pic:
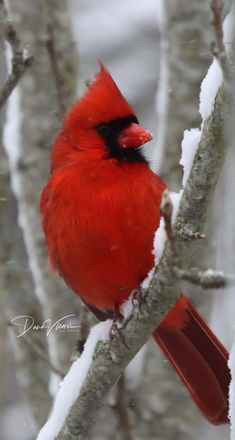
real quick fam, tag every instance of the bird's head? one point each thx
(102, 120)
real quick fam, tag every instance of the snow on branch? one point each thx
(110, 359)
(73, 381)
(74, 417)
(21, 60)
(218, 70)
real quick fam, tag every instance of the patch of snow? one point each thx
(209, 88)
(213, 80)
(160, 236)
(126, 307)
(229, 28)
(72, 383)
(189, 147)
(146, 282)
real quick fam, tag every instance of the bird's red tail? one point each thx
(198, 357)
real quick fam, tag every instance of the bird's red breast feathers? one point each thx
(99, 213)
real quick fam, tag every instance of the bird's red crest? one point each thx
(102, 102)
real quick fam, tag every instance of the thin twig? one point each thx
(217, 46)
(21, 60)
(36, 349)
(206, 279)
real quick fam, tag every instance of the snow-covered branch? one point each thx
(21, 60)
(73, 418)
(109, 360)
(208, 279)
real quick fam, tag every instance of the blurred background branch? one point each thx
(20, 58)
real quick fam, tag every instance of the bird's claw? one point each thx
(115, 332)
(138, 299)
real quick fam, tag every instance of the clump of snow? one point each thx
(212, 272)
(209, 88)
(175, 198)
(189, 147)
(231, 364)
(11, 132)
(159, 240)
(146, 282)
(73, 381)
(160, 236)
(127, 306)
(213, 80)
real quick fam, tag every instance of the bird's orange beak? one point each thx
(134, 136)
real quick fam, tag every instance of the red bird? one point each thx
(100, 210)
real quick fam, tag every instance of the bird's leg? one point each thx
(115, 330)
(118, 316)
(138, 297)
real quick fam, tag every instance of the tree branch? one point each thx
(21, 60)
(207, 279)
(164, 288)
(217, 46)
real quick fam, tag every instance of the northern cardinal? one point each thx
(100, 210)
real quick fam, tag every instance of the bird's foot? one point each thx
(138, 299)
(115, 330)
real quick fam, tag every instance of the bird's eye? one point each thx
(104, 129)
